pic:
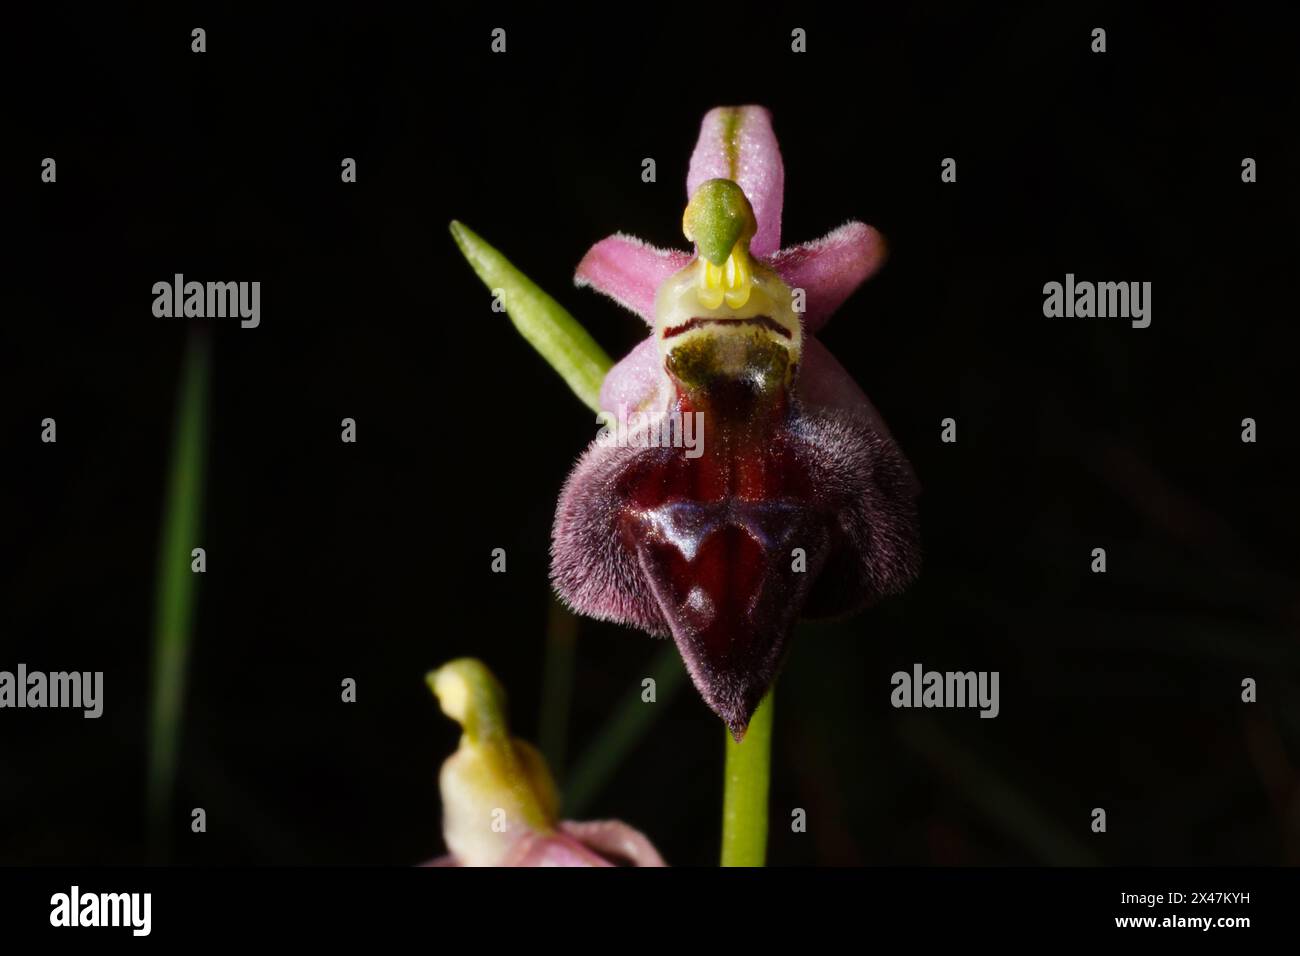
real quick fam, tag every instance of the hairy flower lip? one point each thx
(765, 321)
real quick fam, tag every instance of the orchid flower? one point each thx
(795, 456)
(499, 802)
(799, 501)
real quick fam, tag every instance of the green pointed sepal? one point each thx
(545, 324)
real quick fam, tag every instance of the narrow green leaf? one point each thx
(175, 585)
(557, 686)
(625, 727)
(545, 324)
(995, 792)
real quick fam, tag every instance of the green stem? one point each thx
(744, 797)
(176, 585)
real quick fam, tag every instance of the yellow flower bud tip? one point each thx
(469, 694)
(490, 773)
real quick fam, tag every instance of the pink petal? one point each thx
(829, 269)
(615, 840)
(629, 271)
(556, 849)
(825, 383)
(595, 843)
(635, 381)
(737, 143)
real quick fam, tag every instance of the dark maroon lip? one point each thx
(765, 321)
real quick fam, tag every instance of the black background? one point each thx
(371, 560)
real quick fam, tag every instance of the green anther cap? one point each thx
(717, 217)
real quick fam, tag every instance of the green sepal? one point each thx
(545, 324)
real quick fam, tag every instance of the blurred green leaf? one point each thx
(557, 685)
(625, 728)
(176, 585)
